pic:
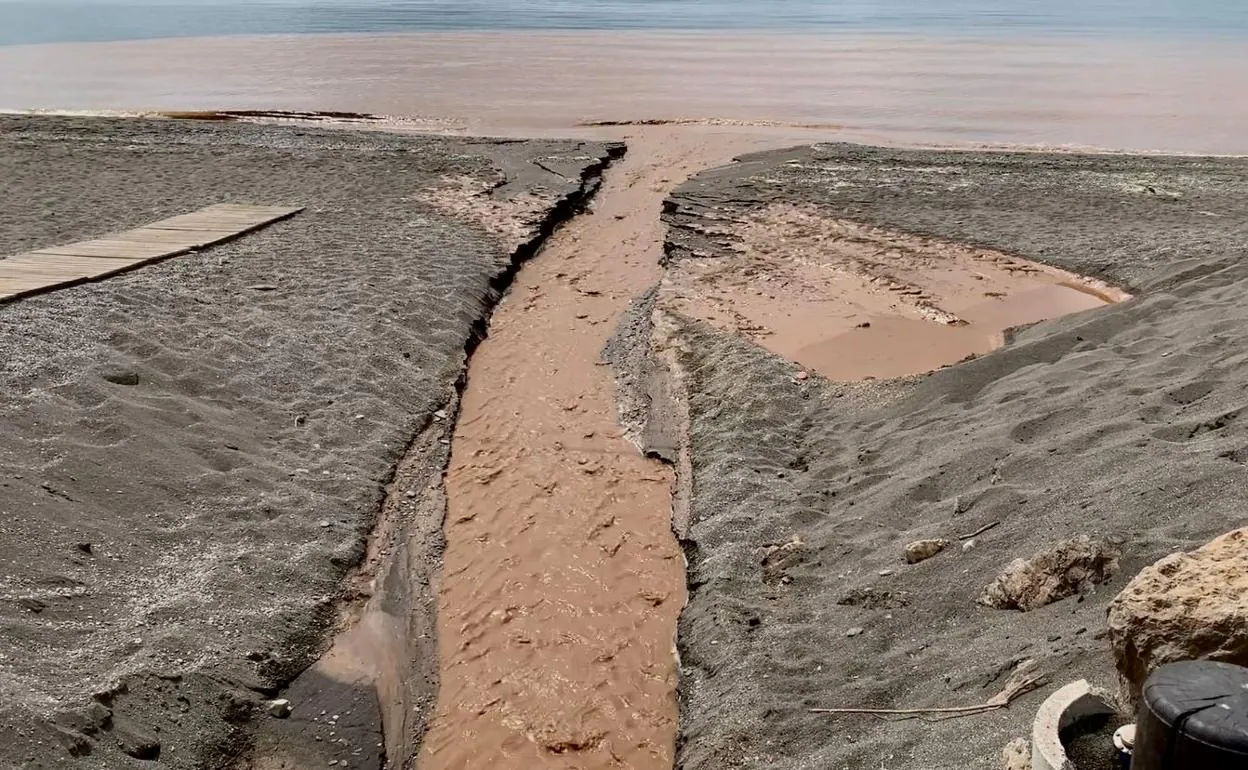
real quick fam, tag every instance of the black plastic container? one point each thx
(1193, 716)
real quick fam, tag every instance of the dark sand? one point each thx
(1120, 423)
(193, 455)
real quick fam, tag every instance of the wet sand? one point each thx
(194, 455)
(852, 302)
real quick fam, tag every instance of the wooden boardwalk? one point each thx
(58, 266)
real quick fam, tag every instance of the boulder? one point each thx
(1185, 606)
(1071, 567)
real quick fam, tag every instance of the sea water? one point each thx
(49, 21)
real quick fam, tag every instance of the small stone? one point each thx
(968, 545)
(262, 287)
(279, 708)
(921, 550)
(800, 376)
(885, 572)
(359, 417)
(324, 524)
(136, 742)
(120, 377)
(440, 414)
(863, 325)
(409, 494)
(1016, 755)
(32, 605)
(855, 631)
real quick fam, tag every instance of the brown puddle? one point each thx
(852, 301)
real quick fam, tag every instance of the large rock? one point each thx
(1183, 607)
(1068, 568)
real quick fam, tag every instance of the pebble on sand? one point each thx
(279, 707)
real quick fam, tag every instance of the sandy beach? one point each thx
(600, 451)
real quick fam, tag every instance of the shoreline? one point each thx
(433, 126)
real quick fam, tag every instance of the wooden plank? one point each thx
(111, 249)
(23, 285)
(45, 269)
(56, 263)
(156, 235)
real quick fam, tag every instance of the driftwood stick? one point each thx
(1021, 683)
(979, 531)
(910, 712)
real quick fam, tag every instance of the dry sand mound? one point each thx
(1121, 424)
(192, 454)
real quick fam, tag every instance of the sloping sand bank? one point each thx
(192, 455)
(1121, 423)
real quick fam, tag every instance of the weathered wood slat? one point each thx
(46, 269)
